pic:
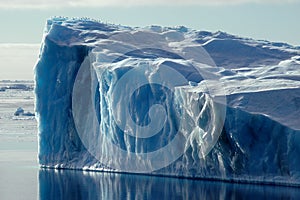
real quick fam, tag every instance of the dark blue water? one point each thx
(69, 184)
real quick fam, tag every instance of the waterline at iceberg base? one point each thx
(168, 101)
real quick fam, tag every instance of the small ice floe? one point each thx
(20, 112)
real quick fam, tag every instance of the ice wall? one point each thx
(152, 100)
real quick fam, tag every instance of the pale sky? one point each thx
(117, 3)
(22, 21)
(17, 61)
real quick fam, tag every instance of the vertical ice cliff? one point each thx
(167, 101)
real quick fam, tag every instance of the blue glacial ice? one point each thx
(167, 101)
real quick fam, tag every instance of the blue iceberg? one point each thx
(167, 101)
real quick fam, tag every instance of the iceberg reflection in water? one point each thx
(71, 184)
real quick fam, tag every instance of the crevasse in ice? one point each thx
(167, 101)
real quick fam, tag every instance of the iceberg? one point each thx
(167, 101)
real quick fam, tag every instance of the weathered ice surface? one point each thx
(168, 101)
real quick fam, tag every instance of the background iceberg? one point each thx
(167, 101)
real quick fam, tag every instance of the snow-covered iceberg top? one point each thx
(167, 101)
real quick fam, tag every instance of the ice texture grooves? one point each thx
(168, 101)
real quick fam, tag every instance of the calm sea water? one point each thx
(24, 180)
(79, 185)
(21, 178)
